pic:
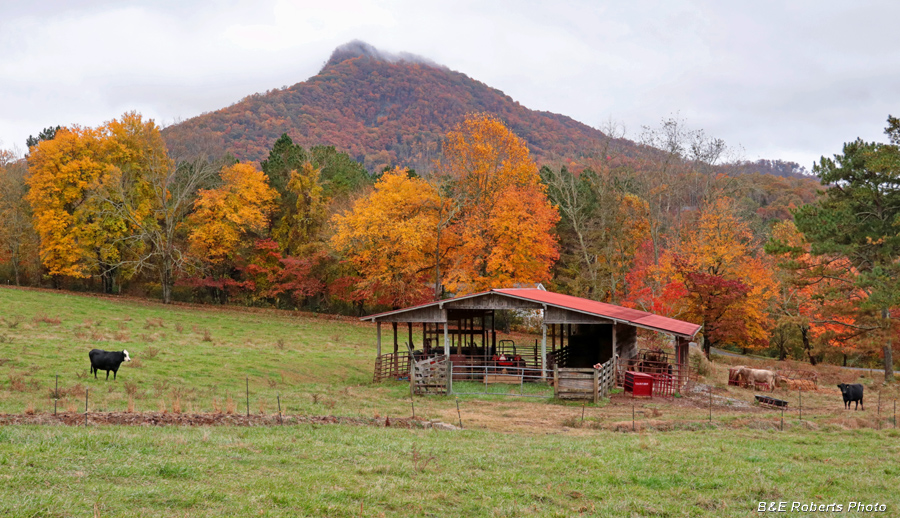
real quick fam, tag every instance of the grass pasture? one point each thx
(366, 471)
(515, 457)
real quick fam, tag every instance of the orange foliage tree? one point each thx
(726, 286)
(818, 295)
(505, 221)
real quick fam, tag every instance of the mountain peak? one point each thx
(358, 49)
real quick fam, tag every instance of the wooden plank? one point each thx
(576, 376)
(502, 378)
(573, 384)
(555, 315)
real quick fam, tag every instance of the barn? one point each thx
(576, 333)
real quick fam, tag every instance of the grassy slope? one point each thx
(317, 356)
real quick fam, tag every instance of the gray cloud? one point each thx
(782, 80)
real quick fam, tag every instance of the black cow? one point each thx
(107, 361)
(852, 393)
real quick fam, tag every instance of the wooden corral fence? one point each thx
(799, 379)
(431, 376)
(391, 366)
(584, 383)
(558, 357)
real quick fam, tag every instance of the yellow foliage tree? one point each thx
(390, 238)
(91, 191)
(65, 174)
(225, 217)
(297, 231)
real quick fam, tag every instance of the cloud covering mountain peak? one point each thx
(358, 48)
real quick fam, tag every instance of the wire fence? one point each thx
(780, 410)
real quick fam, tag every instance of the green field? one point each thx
(516, 456)
(367, 471)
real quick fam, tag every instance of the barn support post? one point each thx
(446, 341)
(682, 352)
(543, 351)
(615, 346)
(493, 332)
(596, 389)
(378, 332)
(411, 346)
(553, 337)
(394, 367)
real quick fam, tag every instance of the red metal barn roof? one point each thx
(600, 309)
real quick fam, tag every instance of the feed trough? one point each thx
(771, 402)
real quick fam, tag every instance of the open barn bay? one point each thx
(515, 457)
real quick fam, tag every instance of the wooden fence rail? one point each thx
(391, 366)
(430, 376)
(584, 383)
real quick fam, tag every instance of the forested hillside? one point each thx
(382, 111)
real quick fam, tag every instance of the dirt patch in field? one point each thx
(171, 419)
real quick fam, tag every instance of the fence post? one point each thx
(555, 381)
(248, 396)
(800, 395)
(412, 376)
(280, 420)
(56, 394)
(596, 386)
(879, 410)
(450, 377)
(86, 391)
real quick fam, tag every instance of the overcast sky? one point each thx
(790, 80)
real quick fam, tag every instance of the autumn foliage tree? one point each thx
(817, 294)
(602, 227)
(390, 239)
(18, 240)
(724, 285)
(858, 220)
(505, 221)
(67, 176)
(228, 218)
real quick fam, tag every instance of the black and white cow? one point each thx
(107, 361)
(852, 393)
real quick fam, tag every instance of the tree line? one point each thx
(762, 262)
